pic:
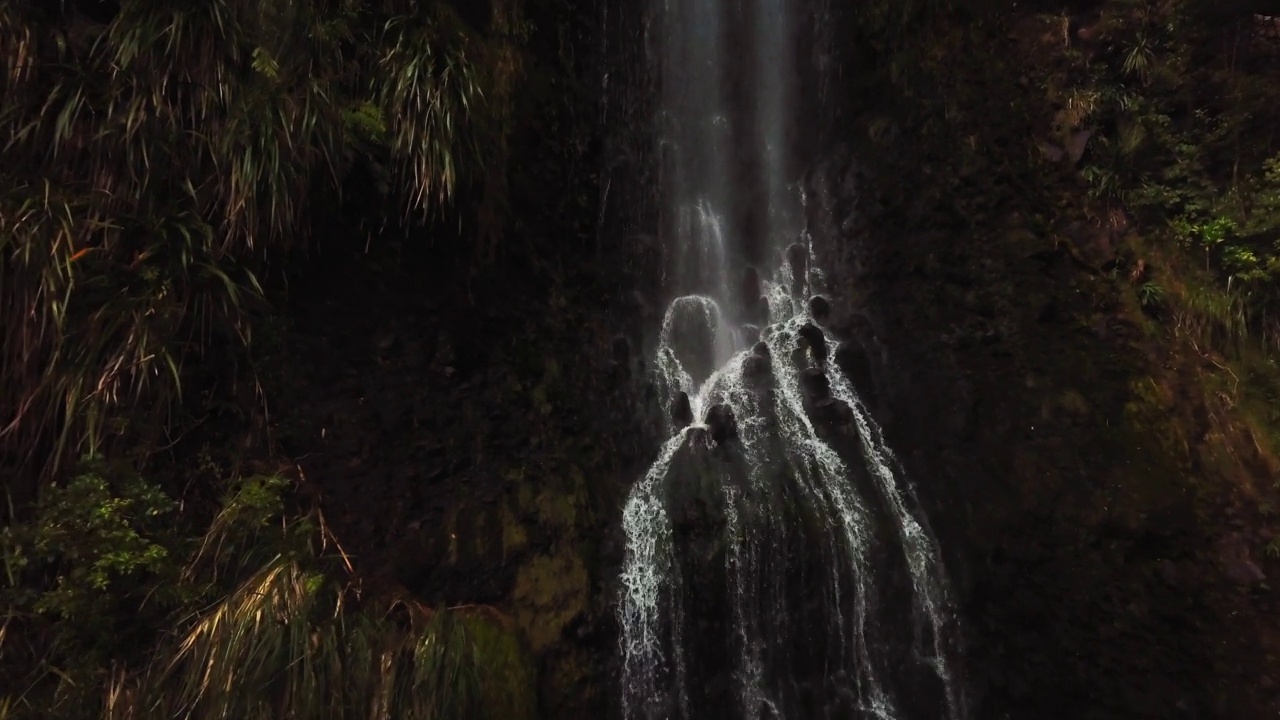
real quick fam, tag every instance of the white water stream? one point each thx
(766, 573)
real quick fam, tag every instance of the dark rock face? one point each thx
(620, 348)
(832, 412)
(798, 257)
(696, 341)
(757, 367)
(722, 424)
(812, 339)
(1082, 561)
(819, 307)
(814, 385)
(853, 361)
(681, 411)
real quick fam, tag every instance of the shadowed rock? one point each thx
(814, 386)
(798, 257)
(756, 370)
(852, 359)
(620, 347)
(819, 307)
(811, 337)
(722, 424)
(681, 411)
(832, 412)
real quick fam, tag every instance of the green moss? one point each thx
(505, 669)
(1152, 426)
(551, 591)
(561, 507)
(515, 537)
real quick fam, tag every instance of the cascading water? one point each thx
(777, 565)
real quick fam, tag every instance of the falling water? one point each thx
(777, 564)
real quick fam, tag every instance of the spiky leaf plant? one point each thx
(152, 165)
(290, 643)
(272, 622)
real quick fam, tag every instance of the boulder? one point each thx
(814, 386)
(722, 424)
(756, 370)
(798, 258)
(819, 307)
(832, 412)
(811, 337)
(852, 360)
(681, 411)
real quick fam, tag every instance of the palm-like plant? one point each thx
(153, 164)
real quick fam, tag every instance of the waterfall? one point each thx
(777, 562)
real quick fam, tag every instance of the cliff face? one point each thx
(1101, 502)
(470, 423)
(1104, 504)
(471, 449)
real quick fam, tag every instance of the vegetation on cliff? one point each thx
(1071, 207)
(165, 164)
(159, 160)
(267, 618)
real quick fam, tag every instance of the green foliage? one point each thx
(263, 621)
(1183, 137)
(91, 572)
(1151, 295)
(294, 642)
(152, 166)
(99, 541)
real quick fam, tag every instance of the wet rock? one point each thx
(811, 337)
(681, 411)
(798, 258)
(819, 307)
(832, 412)
(751, 332)
(722, 424)
(799, 358)
(852, 359)
(762, 310)
(699, 438)
(756, 370)
(692, 338)
(814, 385)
